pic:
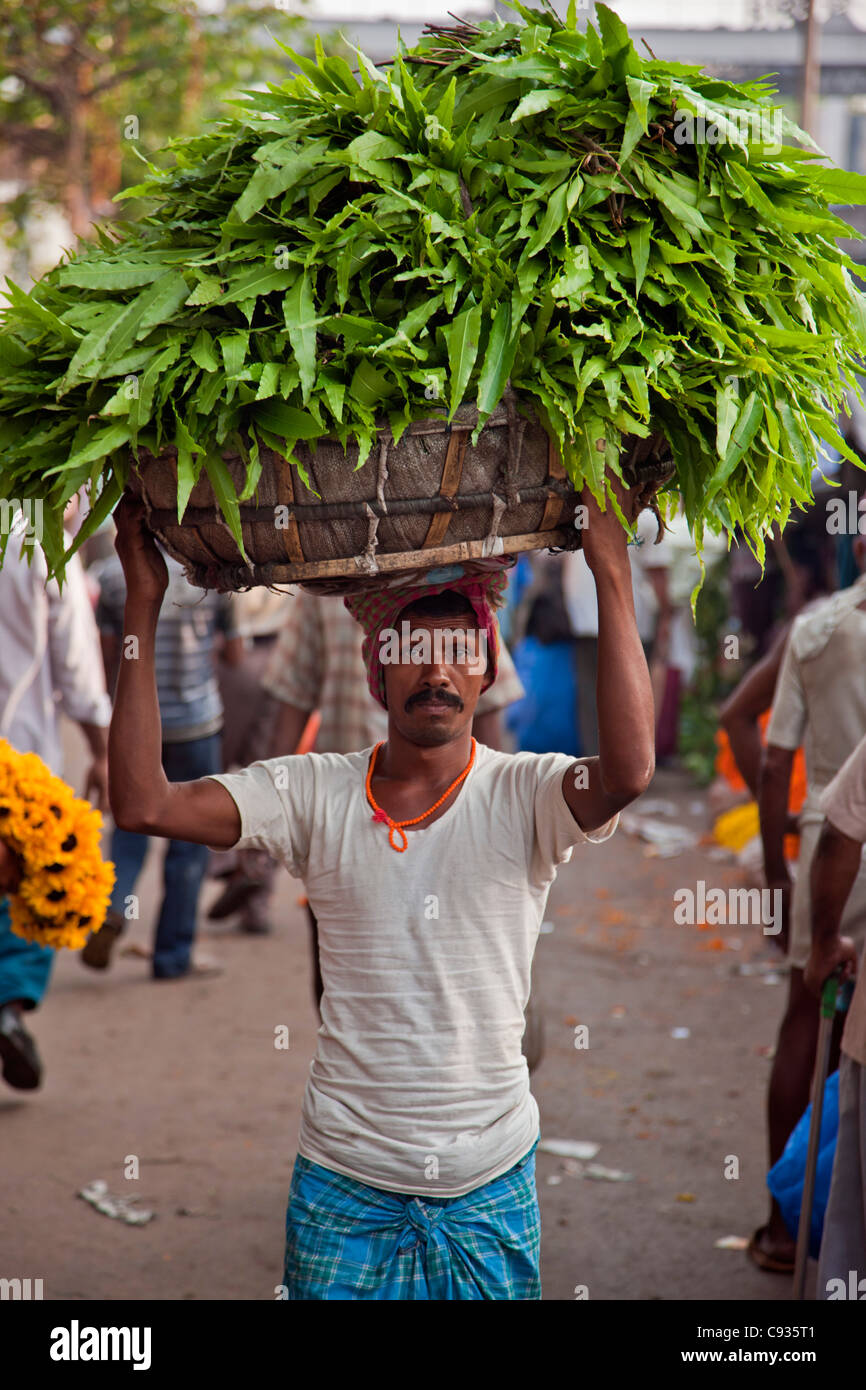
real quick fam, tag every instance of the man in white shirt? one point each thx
(835, 870)
(819, 702)
(50, 661)
(415, 1171)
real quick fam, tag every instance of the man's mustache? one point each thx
(440, 697)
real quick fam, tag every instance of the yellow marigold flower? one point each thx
(65, 885)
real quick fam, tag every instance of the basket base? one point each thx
(357, 573)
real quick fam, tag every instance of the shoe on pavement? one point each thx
(22, 1067)
(234, 896)
(100, 944)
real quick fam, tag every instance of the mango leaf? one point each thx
(551, 222)
(108, 275)
(639, 242)
(269, 381)
(99, 446)
(202, 352)
(187, 472)
(727, 411)
(744, 431)
(497, 364)
(207, 291)
(258, 281)
(226, 495)
(462, 337)
(534, 102)
(234, 348)
(300, 318)
(640, 92)
(284, 421)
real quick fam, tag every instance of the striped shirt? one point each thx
(189, 699)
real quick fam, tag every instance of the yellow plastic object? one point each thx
(735, 828)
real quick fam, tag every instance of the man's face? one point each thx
(433, 688)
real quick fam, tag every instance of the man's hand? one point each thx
(596, 788)
(825, 959)
(603, 539)
(96, 785)
(144, 568)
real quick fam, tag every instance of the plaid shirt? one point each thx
(317, 664)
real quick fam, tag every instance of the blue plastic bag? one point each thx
(786, 1177)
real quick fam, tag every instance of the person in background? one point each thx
(50, 663)
(545, 719)
(835, 869)
(741, 713)
(819, 702)
(318, 664)
(191, 622)
(250, 715)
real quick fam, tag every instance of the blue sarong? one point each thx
(345, 1240)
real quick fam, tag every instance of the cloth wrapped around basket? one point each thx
(483, 583)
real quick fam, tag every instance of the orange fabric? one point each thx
(726, 767)
(307, 741)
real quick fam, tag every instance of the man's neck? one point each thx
(403, 761)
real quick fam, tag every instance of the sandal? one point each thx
(771, 1264)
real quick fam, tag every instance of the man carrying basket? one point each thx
(428, 861)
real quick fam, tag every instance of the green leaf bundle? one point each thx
(631, 243)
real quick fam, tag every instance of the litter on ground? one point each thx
(119, 1208)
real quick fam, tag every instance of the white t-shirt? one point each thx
(820, 695)
(418, 1083)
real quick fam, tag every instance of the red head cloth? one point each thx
(382, 608)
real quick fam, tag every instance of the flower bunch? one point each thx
(65, 883)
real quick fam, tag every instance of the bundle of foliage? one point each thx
(629, 242)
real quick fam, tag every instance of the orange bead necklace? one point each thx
(380, 815)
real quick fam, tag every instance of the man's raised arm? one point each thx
(141, 796)
(626, 715)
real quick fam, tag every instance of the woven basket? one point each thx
(430, 499)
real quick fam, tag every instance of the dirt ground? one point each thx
(185, 1077)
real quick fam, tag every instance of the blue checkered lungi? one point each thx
(345, 1240)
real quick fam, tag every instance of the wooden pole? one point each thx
(811, 78)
